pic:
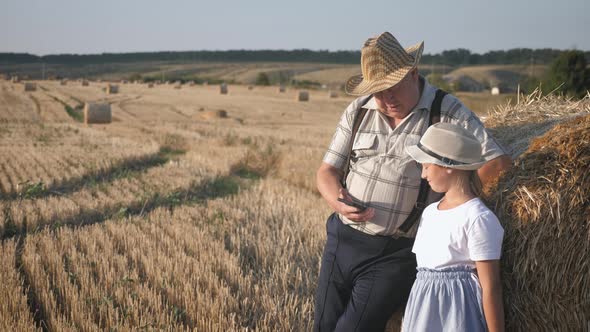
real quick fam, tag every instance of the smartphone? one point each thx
(357, 205)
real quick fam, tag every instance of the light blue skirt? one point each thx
(445, 300)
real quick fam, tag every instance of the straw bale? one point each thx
(544, 205)
(208, 115)
(97, 113)
(303, 96)
(223, 88)
(535, 114)
(112, 89)
(177, 85)
(30, 86)
(495, 91)
(15, 79)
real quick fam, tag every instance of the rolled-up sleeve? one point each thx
(339, 147)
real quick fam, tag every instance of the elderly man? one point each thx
(374, 187)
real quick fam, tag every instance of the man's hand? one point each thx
(353, 213)
(328, 181)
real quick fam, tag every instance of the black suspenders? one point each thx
(424, 187)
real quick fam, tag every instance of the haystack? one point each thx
(30, 86)
(303, 96)
(208, 115)
(223, 88)
(97, 113)
(112, 89)
(544, 206)
(516, 125)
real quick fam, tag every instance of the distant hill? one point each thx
(473, 72)
(506, 77)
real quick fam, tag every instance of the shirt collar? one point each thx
(425, 101)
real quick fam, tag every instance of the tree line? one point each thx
(455, 57)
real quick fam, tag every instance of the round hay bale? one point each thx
(544, 206)
(223, 88)
(112, 89)
(209, 115)
(30, 86)
(303, 96)
(97, 113)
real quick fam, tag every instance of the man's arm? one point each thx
(328, 182)
(492, 169)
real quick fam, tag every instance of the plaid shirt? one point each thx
(382, 175)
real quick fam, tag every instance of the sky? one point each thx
(117, 26)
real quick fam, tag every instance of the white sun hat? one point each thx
(448, 145)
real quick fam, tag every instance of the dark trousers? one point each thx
(363, 279)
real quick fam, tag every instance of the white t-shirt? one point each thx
(458, 237)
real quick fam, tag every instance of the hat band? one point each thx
(448, 161)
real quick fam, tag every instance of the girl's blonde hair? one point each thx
(474, 182)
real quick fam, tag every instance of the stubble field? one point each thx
(172, 217)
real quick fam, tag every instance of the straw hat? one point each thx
(448, 145)
(384, 62)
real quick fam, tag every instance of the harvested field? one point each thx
(192, 210)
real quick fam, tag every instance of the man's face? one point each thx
(400, 99)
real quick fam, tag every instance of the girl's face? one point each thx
(437, 176)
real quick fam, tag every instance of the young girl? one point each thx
(458, 243)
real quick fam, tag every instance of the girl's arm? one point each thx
(491, 286)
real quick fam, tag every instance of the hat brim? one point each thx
(424, 158)
(358, 86)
